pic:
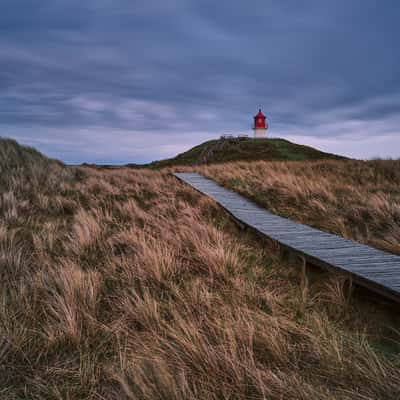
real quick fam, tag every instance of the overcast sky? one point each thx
(116, 81)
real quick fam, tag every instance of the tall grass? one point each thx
(125, 284)
(359, 200)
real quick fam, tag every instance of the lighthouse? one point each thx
(260, 125)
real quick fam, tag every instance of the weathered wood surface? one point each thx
(377, 270)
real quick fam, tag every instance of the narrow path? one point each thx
(375, 269)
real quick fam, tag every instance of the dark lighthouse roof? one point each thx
(260, 114)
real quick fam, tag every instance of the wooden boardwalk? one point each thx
(375, 269)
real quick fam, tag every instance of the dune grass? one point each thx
(358, 200)
(126, 284)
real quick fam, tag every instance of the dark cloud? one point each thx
(120, 81)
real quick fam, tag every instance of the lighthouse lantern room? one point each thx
(260, 125)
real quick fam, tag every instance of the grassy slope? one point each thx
(126, 284)
(251, 150)
(359, 200)
(16, 160)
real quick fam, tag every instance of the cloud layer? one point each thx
(120, 81)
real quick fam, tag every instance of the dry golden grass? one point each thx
(126, 284)
(359, 200)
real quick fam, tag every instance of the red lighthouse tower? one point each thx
(260, 125)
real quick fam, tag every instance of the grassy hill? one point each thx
(226, 150)
(23, 169)
(126, 284)
(15, 157)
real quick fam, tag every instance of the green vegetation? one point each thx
(225, 150)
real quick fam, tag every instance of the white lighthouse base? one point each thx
(260, 133)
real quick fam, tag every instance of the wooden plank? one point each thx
(355, 262)
(346, 252)
(314, 248)
(362, 255)
(375, 269)
(373, 272)
(377, 263)
(310, 242)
